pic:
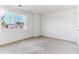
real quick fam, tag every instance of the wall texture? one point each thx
(36, 25)
(60, 24)
(77, 27)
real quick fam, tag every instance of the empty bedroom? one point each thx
(39, 29)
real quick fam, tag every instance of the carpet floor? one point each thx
(40, 45)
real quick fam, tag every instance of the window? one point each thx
(10, 20)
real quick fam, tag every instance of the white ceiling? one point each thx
(43, 9)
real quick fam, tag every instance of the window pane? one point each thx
(11, 20)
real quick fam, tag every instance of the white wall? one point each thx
(77, 22)
(7, 36)
(60, 24)
(36, 25)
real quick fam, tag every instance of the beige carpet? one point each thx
(40, 45)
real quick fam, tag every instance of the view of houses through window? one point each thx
(10, 20)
